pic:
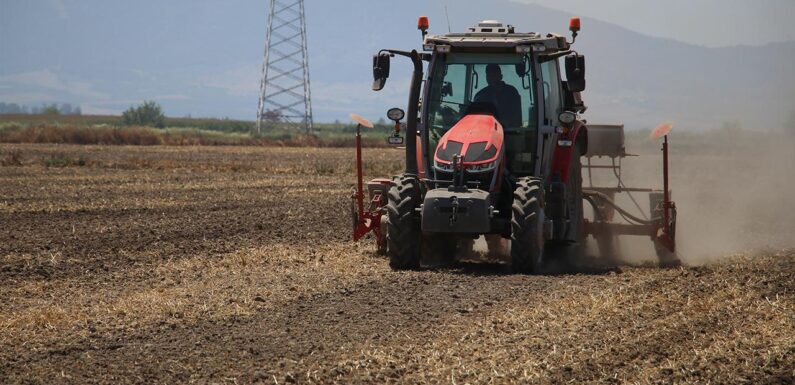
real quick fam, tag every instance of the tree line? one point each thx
(44, 109)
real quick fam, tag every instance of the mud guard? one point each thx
(561, 157)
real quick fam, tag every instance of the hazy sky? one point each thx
(703, 22)
(203, 57)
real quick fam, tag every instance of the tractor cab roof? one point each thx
(491, 34)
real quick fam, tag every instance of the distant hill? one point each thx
(206, 61)
(641, 80)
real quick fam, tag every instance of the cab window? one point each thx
(552, 91)
(502, 82)
(460, 79)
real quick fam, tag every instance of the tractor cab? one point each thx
(493, 73)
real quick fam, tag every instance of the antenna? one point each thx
(284, 91)
(449, 30)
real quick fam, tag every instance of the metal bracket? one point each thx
(454, 214)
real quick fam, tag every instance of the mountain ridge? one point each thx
(196, 64)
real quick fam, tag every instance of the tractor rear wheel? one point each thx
(571, 246)
(403, 232)
(574, 201)
(527, 225)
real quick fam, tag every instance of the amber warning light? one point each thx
(574, 27)
(422, 23)
(574, 24)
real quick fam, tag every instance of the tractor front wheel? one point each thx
(403, 234)
(527, 226)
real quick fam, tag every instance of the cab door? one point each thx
(550, 108)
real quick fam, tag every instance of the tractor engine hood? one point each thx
(477, 138)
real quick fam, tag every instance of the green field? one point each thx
(103, 129)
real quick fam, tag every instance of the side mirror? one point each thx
(572, 100)
(575, 72)
(568, 97)
(380, 71)
(447, 89)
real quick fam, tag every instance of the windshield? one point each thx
(498, 83)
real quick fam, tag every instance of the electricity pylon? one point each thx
(285, 98)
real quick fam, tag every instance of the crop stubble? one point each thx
(226, 265)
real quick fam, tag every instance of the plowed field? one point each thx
(235, 265)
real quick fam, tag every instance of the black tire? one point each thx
(403, 234)
(574, 196)
(527, 226)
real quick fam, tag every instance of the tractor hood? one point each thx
(477, 138)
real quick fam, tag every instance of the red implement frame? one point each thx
(666, 234)
(369, 220)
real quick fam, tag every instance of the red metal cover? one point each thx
(561, 158)
(472, 129)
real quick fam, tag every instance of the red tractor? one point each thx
(494, 147)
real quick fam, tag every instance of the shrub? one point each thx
(51, 110)
(147, 114)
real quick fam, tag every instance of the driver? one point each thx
(503, 96)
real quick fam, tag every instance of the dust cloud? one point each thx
(735, 192)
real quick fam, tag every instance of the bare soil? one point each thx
(235, 265)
